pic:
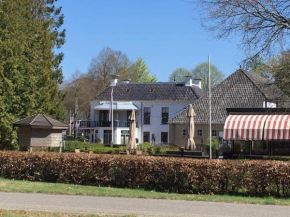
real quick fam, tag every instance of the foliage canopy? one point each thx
(29, 67)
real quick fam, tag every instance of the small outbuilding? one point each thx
(40, 131)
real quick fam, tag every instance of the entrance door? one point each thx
(124, 137)
(107, 136)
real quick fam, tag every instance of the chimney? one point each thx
(188, 80)
(126, 81)
(197, 82)
(114, 80)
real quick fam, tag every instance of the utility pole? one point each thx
(112, 118)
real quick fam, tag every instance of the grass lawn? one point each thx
(14, 213)
(68, 189)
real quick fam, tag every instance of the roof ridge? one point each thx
(26, 118)
(33, 119)
(47, 119)
(244, 72)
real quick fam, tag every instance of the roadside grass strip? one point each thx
(7, 185)
(21, 213)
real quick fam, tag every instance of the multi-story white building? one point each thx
(154, 104)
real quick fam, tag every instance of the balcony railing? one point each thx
(87, 124)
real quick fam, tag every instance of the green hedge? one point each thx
(146, 146)
(70, 146)
(253, 177)
(280, 158)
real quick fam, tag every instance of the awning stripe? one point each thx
(244, 127)
(277, 127)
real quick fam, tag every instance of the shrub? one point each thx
(70, 146)
(214, 145)
(182, 175)
(281, 158)
(82, 139)
(98, 140)
(145, 146)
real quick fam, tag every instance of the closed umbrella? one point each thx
(190, 128)
(132, 141)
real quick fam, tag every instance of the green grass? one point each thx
(69, 189)
(17, 213)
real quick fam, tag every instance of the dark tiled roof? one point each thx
(240, 90)
(40, 120)
(270, 90)
(152, 92)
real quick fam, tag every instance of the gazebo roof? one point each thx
(41, 121)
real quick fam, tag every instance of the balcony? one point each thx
(90, 124)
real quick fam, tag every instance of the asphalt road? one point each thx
(140, 207)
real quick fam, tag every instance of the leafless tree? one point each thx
(109, 62)
(263, 24)
(101, 65)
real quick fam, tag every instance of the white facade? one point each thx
(155, 126)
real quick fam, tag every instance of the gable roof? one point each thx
(175, 91)
(240, 90)
(41, 120)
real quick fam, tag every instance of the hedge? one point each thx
(70, 146)
(253, 177)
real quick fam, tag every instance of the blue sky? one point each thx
(165, 33)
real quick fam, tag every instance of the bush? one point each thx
(253, 177)
(82, 139)
(146, 146)
(214, 145)
(70, 146)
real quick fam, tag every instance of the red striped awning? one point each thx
(277, 127)
(244, 127)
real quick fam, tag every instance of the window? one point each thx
(147, 114)
(146, 137)
(280, 147)
(241, 147)
(214, 133)
(164, 137)
(199, 132)
(260, 148)
(165, 114)
(184, 132)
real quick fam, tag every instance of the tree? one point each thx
(263, 24)
(140, 72)
(280, 67)
(201, 72)
(29, 67)
(109, 62)
(178, 75)
(82, 88)
(259, 66)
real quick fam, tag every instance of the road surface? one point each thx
(140, 207)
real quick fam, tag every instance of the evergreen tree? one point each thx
(29, 68)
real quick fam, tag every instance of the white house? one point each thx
(154, 103)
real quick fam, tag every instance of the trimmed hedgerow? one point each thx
(252, 177)
(70, 146)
